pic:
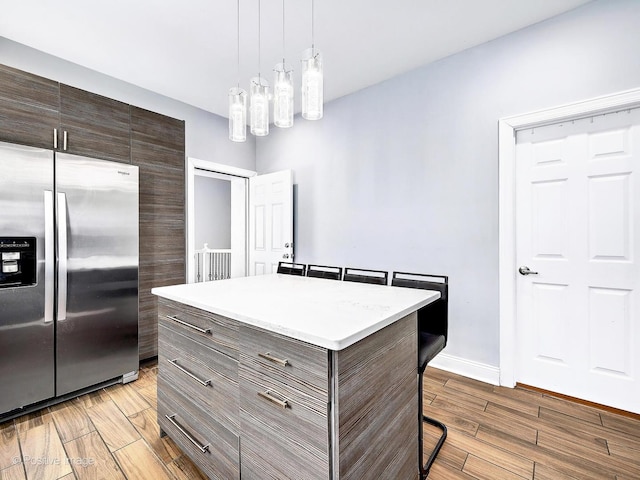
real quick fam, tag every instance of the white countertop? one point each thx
(328, 313)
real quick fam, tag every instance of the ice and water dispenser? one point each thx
(17, 262)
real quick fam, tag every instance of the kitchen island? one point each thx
(279, 376)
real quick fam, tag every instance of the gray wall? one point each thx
(404, 175)
(212, 213)
(206, 133)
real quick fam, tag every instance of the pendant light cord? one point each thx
(259, 35)
(283, 35)
(238, 50)
(313, 36)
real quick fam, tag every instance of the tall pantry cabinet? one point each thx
(44, 113)
(157, 148)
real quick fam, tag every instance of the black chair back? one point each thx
(292, 268)
(377, 277)
(432, 318)
(324, 271)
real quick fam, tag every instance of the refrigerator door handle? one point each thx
(49, 260)
(62, 256)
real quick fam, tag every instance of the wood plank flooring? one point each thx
(498, 433)
(108, 434)
(495, 433)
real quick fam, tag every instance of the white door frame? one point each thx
(192, 165)
(507, 129)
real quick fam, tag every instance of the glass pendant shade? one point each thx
(259, 106)
(312, 85)
(283, 96)
(237, 114)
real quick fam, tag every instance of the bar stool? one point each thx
(377, 277)
(290, 268)
(433, 326)
(324, 271)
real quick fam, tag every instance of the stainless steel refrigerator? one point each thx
(68, 275)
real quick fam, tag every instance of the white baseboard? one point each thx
(468, 368)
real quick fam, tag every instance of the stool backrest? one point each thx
(432, 318)
(377, 277)
(292, 268)
(324, 271)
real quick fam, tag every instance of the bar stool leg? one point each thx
(424, 469)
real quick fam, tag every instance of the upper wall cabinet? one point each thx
(43, 113)
(28, 108)
(94, 125)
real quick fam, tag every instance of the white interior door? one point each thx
(270, 221)
(578, 227)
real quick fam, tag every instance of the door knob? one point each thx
(525, 271)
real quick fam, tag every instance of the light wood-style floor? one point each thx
(108, 434)
(498, 433)
(495, 433)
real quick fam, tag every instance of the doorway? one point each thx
(570, 223)
(238, 223)
(217, 220)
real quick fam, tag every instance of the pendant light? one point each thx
(283, 89)
(259, 98)
(312, 78)
(238, 103)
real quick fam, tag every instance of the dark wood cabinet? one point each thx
(198, 387)
(157, 148)
(43, 113)
(265, 405)
(40, 112)
(28, 108)
(298, 434)
(94, 126)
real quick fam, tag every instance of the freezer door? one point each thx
(26, 312)
(97, 315)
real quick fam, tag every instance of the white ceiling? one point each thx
(187, 50)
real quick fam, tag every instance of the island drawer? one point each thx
(288, 360)
(284, 433)
(206, 376)
(275, 401)
(213, 330)
(210, 445)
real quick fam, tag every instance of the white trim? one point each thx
(199, 172)
(507, 129)
(507, 252)
(219, 168)
(462, 366)
(585, 108)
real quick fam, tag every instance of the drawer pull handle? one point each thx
(203, 448)
(174, 362)
(268, 356)
(186, 324)
(267, 396)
